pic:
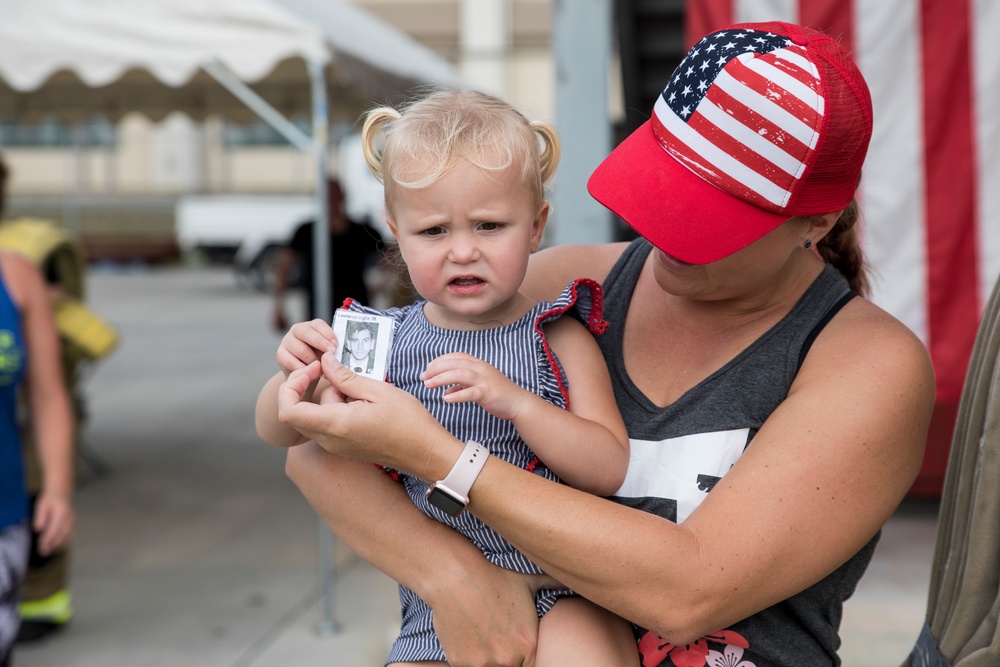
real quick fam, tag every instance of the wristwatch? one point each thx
(451, 494)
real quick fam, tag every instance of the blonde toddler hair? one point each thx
(413, 147)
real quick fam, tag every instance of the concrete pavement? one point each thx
(194, 549)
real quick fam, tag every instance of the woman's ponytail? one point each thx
(842, 249)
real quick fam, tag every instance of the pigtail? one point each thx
(373, 138)
(841, 247)
(551, 151)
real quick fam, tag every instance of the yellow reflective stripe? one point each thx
(56, 608)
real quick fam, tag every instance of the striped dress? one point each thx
(520, 351)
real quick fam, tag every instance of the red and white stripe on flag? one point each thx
(930, 191)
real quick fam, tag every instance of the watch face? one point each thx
(444, 502)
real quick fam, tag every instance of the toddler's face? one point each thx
(466, 239)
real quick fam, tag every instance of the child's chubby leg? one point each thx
(425, 663)
(578, 632)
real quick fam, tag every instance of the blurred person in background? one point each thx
(30, 362)
(355, 247)
(46, 604)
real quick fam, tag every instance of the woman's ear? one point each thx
(819, 226)
(538, 226)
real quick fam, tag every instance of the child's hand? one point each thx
(305, 343)
(53, 521)
(469, 379)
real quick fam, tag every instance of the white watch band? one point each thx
(465, 471)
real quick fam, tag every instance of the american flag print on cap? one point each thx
(744, 111)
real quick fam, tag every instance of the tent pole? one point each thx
(322, 274)
(322, 288)
(259, 105)
(323, 283)
(72, 217)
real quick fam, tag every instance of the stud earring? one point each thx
(808, 244)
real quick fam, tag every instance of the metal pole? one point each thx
(323, 281)
(581, 44)
(260, 106)
(322, 288)
(72, 216)
(322, 274)
(485, 38)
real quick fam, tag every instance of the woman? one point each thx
(776, 418)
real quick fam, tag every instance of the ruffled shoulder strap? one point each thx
(583, 299)
(586, 297)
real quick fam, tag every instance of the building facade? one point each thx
(503, 46)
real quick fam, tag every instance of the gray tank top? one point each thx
(679, 453)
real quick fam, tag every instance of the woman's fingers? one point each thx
(352, 385)
(491, 623)
(323, 421)
(293, 390)
(362, 417)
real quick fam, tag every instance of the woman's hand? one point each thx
(305, 343)
(367, 420)
(493, 622)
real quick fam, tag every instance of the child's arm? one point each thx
(587, 445)
(303, 344)
(51, 416)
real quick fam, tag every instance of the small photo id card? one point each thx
(363, 342)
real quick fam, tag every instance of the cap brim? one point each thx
(675, 209)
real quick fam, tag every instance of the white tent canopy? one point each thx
(76, 58)
(368, 48)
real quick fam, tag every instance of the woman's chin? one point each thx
(672, 263)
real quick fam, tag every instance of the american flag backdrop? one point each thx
(930, 191)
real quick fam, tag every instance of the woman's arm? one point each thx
(51, 418)
(483, 614)
(586, 445)
(818, 481)
(550, 270)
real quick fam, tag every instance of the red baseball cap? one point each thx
(759, 123)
